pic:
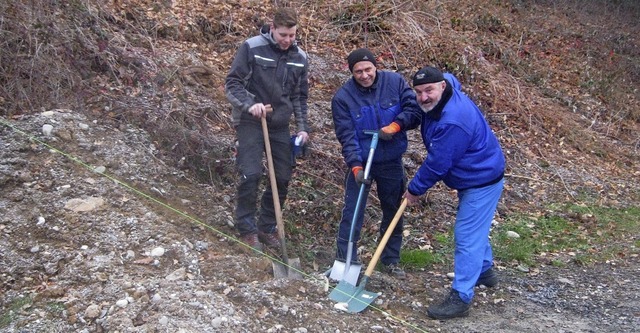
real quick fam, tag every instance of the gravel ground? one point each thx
(99, 235)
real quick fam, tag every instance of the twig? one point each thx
(565, 187)
(528, 178)
(325, 180)
(561, 179)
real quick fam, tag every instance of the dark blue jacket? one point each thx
(356, 109)
(462, 150)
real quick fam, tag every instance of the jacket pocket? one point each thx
(264, 62)
(293, 76)
(389, 109)
(265, 67)
(364, 119)
(264, 78)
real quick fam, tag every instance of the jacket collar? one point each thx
(436, 113)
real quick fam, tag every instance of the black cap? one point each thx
(427, 75)
(360, 55)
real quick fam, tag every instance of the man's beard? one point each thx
(426, 109)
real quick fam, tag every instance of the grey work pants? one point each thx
(251, 169)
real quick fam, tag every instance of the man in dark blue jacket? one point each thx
(381, 101)
(269, 72)
(464, 153)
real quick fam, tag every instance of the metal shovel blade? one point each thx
(290, 270)
(355, 298)
(361, 301)
(351, 276)
(343, 292)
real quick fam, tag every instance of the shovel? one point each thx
(286, 268)
(355, 299)
(346, 271)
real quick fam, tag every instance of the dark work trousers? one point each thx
(390, 180)
(250, 165)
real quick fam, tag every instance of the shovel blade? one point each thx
(338, 272)
(361, 301)
(354, 299)
(343, 292)
(287, 270)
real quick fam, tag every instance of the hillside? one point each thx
(137, 88)
(560, 90)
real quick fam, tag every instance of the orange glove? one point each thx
(386, 133)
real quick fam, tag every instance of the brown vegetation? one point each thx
(558, 81)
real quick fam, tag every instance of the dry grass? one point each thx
(528, 72)
(36, 60)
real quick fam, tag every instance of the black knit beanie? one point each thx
(360, 55)
(427, 75)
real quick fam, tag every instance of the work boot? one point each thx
(394, 270)
(450, 307)
(251, 240)
(489, 279)
(271, 239)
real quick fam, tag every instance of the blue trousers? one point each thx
(473, 254)
(390, 180)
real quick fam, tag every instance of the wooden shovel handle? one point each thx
(385, 238)
(274, 188)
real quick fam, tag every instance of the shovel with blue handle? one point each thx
(348, 271)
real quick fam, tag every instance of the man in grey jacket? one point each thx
(269, 72)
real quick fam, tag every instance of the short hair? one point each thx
(286, 17)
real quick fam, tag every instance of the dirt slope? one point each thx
(84, 251)
(146, 245)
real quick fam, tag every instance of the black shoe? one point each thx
(489, 279)
(394, 270)
(450, 307)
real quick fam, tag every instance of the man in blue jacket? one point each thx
(269, 72)
(381, 101)
(464, 153)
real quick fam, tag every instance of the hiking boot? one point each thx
(271, 240)
(489, 279)
(394, 270)
(252, 241)
(450, 307)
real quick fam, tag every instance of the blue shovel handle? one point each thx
(367, 169)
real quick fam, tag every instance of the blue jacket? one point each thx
(356, 109)
(261, 72)
(462, 151)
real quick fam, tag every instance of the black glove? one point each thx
(386, 133)
(359, 174)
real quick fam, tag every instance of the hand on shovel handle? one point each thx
(260, 110)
